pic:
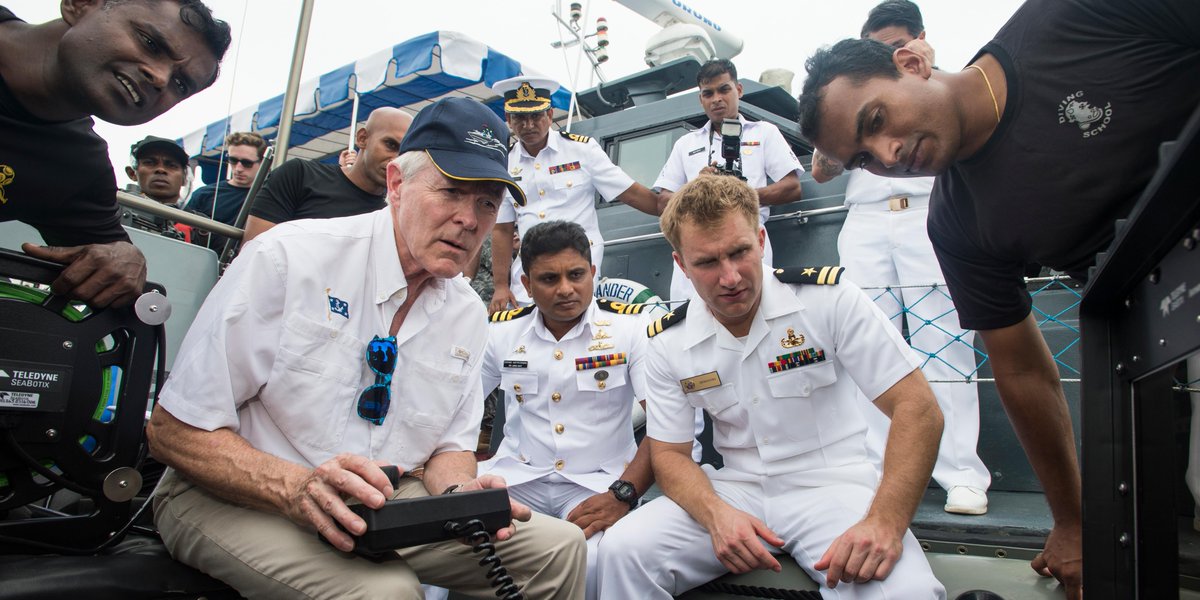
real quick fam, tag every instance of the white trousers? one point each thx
(681, 286)
(659, 551)
(881, 248)
(557, 496)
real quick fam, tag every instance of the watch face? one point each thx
(623, 490)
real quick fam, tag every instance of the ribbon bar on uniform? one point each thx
(603, 360)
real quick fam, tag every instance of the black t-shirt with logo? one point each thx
(55, 176)
(1094, 87)
(305, 189)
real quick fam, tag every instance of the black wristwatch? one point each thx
(625, 492)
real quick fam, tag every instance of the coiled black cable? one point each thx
(474, 531)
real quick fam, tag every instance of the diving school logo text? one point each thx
(1091, 120)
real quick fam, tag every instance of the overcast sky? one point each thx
(777, 34)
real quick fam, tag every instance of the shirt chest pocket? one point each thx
(798, 395)
(570, 180)
(730, 420)
(802, 382)
(518, 383)
(315, 383)
(602, 379)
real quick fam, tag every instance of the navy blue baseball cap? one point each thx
(465, 140)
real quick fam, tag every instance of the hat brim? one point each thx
(465, 166)
(168, 147)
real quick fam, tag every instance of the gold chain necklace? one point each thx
(995, 105)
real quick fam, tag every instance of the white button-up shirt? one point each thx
(766, 157)
(561, 183)
(804, 421)
(865, 187)
(562, 416)
(277, 352)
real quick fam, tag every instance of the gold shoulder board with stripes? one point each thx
(667, 320)
(583, 139)
(810, 275)
(508, 315)
(620, 308)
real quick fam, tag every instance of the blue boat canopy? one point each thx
(409, 75)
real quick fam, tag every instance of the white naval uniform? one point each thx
(881, 247)
(561, 183)
(766, 158)
(793, 441)
(567, 431)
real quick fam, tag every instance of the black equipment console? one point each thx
(409, 522)
(406, 522)
(416, 521)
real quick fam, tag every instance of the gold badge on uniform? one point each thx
(520, 349)
(700, 382)
(601, 335)
(515, 171)
(602, 323)
(792, 340)
(599, 346)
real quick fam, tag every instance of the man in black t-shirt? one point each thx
(303, 189)
(123, 62)
(1040, 144)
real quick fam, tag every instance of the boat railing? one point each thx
(179, 216)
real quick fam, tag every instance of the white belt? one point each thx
(897, 203)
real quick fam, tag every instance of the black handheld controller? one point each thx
(409, 522)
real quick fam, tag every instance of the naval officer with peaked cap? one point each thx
(560, 173)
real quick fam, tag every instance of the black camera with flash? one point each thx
(731, 148)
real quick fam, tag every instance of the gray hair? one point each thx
(412, 162)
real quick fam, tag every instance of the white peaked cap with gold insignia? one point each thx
(525, 94)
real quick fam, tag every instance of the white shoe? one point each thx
(966, 500)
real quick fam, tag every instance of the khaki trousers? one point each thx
(264, 555)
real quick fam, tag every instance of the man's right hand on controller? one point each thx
(317, 500)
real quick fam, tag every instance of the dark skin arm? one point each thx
(101, 275)
(1029, 386)
(254, 227)
(641, 198)
(603, 510)
(825, 169)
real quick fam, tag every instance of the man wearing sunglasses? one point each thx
(571, 367)
(333, 346)
(223, 200)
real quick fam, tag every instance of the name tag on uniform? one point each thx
(696, 151)
(516, 364)
(700, 382)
